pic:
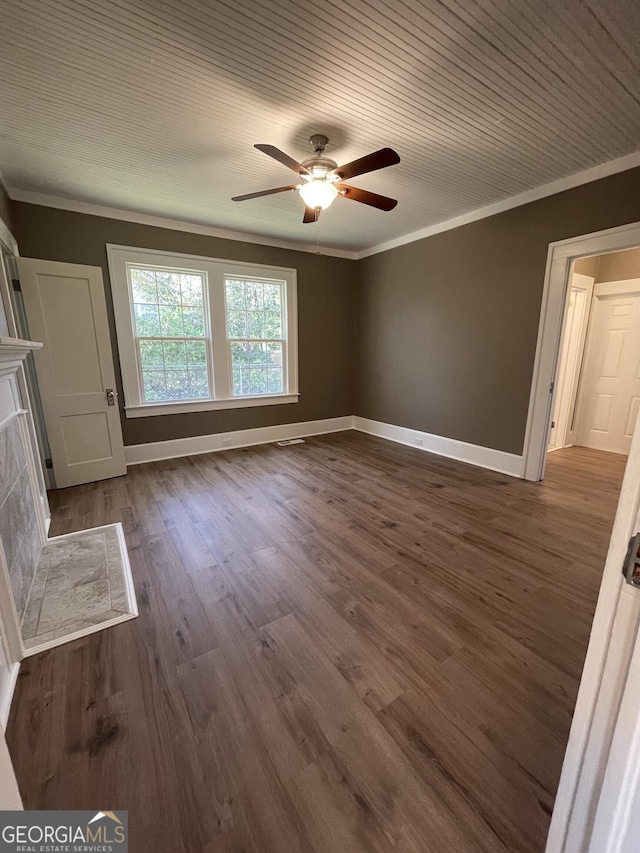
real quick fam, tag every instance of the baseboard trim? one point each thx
(6, 696)
(137, 454)
(472, 454)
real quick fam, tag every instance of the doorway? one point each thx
(555, 298)
(597, 386)
(617, 614)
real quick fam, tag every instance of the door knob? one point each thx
(111, 396)
(631, 568)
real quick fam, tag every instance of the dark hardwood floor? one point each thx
(343, 645)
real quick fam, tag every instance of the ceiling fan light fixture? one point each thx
(318, 193)
(322, 180)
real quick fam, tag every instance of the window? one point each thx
(254, 330)
(200, 333)
(170, 332)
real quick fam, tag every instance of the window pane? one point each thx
(171, 321)
(198, 384)
(274, 380)
(253, 295)
(170, 304)
(174, 370)
(154, 385)
(262, 302)
(257, 368)
(177, 385)
(255, 324)
(143, 286)
(168, 288)
(237, 381)
(193, 319)
(196, 354)
(151, 354)
(239, 354)
(174, 355)
(191, 286)
(159, 297)
(146, 320)
(235, 295)
(273, 324)
(274, 354)
(272, 296)
(257, 381)
(236, 324)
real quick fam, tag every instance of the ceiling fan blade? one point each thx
(265, 192)
(283, 158)
(311, 214)
(378, 160)
(382, 202)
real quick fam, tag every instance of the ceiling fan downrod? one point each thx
(318, 142)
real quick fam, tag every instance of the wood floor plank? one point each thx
(290, 733)
(261, 812)
(390, 788)
(342, 645)
(335, 810)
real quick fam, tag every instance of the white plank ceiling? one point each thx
(155, 106)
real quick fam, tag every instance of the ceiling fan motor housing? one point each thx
(319, 168)
(318, 142)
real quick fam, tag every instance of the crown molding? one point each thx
(61, 203)
(622, 164)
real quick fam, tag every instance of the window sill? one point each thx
(150, 410)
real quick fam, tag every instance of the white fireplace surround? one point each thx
(14, 410)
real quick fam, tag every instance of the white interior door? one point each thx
(573, 343)
(617, 823)
(598, 800)
(569, 324)
(610, 390)
(66, 310)
(574, 338)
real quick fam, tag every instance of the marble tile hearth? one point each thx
(82, 584)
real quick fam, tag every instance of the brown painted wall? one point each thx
(447, 326)
(326, 305)
(587, 266)
(618, 266)
(6, 209)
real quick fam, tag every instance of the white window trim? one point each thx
(220, 368)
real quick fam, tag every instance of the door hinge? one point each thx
(553, 424)
(551, 387)
(48, 463)
(16, 285)
(631, 567)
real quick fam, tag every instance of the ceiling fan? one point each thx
(322, 179)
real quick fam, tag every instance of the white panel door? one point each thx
(66, 310)
(610, 391)
(617, 822)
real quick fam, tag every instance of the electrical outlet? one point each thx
(418, 441)
(226, 442)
